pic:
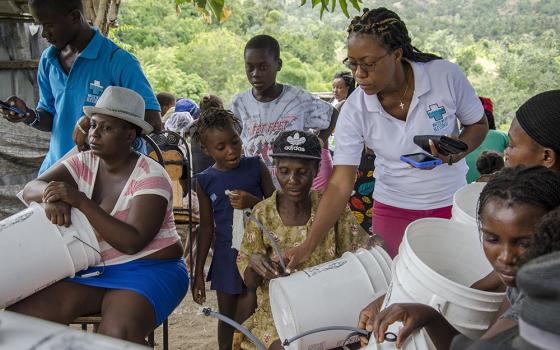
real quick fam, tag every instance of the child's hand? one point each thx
(367, 316)
(413, 317)
(263, 266)
(242, 200)
(199, 290)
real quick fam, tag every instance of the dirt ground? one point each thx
(188, 328)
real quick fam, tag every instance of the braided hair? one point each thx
(214, 119)
(388, 27)
(535, 186)
(348, 80)
(547, 236)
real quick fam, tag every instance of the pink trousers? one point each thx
(391, 222)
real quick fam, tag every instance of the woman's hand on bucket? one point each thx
(367, 315)
(296, 256)
(61, 191)
(58, 213)
(412, 316)
(263, 266)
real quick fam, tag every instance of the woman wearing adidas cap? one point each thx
(403, 93)
(288, 215)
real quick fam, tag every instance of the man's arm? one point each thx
(154, 118)
(39, 119)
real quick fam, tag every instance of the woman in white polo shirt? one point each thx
(403, 92)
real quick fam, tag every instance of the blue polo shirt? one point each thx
(101, 64)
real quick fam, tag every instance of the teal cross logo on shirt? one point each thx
(436, 112)
(95, 88)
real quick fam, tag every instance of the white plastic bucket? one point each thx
(34, 253)
(464, 203)
(24, 332)
(330, 294)
(438, 261)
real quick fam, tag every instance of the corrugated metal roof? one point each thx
(14, 7)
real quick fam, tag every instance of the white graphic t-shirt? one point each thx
(294, 109)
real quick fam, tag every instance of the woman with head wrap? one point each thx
(534, 134)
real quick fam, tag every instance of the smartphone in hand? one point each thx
(421, 160)
(5, 105)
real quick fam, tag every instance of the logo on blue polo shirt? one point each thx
(95, 89)
(437, 113)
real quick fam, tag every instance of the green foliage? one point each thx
(161, 68)
(509, 50)
(330, 6)
(208, 8)
(217, 56)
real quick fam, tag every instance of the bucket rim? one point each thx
(496, 298)
(407, 248)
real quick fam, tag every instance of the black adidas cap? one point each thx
(297, 144)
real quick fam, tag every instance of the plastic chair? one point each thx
(176, 158)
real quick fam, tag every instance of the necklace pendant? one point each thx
(401, 105)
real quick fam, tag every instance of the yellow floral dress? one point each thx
(347, 235)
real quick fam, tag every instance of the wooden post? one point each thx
(102, 13)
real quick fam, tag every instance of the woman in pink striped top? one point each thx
(127, 199)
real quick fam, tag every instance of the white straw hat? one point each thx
(122, 103)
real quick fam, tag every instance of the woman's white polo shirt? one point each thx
(442, 97)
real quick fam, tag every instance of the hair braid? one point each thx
(536, 186)
(391, 31)
(214, 118)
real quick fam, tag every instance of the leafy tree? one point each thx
(509, 50)
(217, 56)
(161, 68)
(217, 8)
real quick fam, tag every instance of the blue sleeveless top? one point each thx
(247, 177)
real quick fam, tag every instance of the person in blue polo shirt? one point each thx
(73, 72)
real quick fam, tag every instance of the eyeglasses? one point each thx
(367, 67)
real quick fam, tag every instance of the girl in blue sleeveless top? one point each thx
(246, 181)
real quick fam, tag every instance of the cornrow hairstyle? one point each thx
(546, 238)
(264, 42)
(348, 80)
(391, 31)
(488, 162)
(210, 101)
(536, 186)
(214, 119)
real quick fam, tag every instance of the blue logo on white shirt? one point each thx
(95, 89)
(437, 114)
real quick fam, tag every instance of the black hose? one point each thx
(208, 312)
(324, 329)
(275, 246)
